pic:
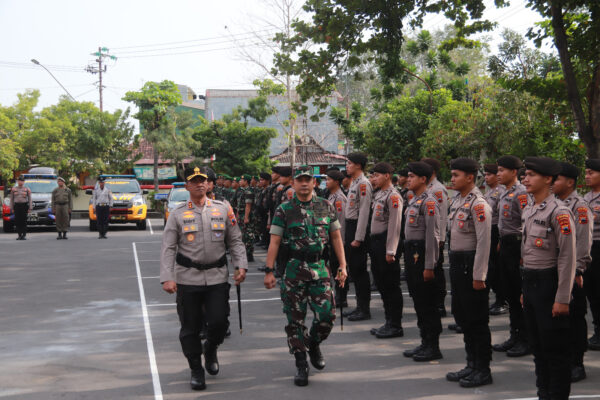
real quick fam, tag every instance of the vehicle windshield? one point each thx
(179, 195)
(41, 185)
(123, 186)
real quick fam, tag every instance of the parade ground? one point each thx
(87, 319)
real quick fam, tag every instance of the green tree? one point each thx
(154, 100)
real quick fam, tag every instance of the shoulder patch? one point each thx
(430, 208)
(290, 194)
(479, 212)
(582, 217)
(395, 200)
(338, 205)
(565, 223)
(522, 200)
(439, 196)
(190, 205)
(231, 216)
(410, 196)
(363, 189)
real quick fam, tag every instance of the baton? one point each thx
(239, 301)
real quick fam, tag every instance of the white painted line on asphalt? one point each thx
(581, 396)
(150, 226)
(151, 356)
(150, 277)
(156, 241)
(231, 301)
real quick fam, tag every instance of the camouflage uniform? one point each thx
(305, 228)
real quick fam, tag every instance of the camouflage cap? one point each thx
(246, 177)
(303, 170)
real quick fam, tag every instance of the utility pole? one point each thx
(101, 54)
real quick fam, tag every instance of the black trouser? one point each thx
(356, 259)
(591, 283)
(423, 293)
(509, 260)
(102, 214)
(548, 335)
(470, 308)
(20, 210)
(341, 293)
(494, 280)
(387, 278)
(198, 306)
(578, 332)
(440, 277)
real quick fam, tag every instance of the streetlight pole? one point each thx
(36, 62)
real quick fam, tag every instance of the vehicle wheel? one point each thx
(8, 226)
(93, 226)
(141, 226)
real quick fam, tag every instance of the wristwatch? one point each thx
(268, 270)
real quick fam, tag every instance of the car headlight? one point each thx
(7, 201)
(138, 202)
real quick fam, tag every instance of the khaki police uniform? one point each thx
(21, 204)
(62, 203)
(492, 196)
(591, 278)
(338, 200)
(440, 193)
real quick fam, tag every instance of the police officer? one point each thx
(470, 226)
(510, 206)
(492, 196)
(565, 188)
(62, 204)
(246, 204)
(549, 263)
(591, 278)
(358, 209)
(421, 248)
(102, 201)
(440, 192)
(262, 212)
(386, 222)
(21, 204)
(193, 264)
(304, 226)
(338, 199)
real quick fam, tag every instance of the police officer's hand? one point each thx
(170, 286)
(560, 309)
(270, 280)
(246, 221)
(239, 276)
(478, 285)
(341, 276)
(579, 281)
(389, 258)
(428, 275)
(356, 243)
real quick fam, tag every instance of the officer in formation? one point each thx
(262, 210)
(301, 229)
(102, 201)
(591, 278)
(21, 204)
(243, 204)
(194, 266)
(337, 198)
(62, 204)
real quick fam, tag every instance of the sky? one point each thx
(191, 42)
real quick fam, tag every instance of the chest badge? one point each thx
(461, 224)
(190, 237)
(539, 242)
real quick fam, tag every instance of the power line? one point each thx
(190, 52)
(61, 68)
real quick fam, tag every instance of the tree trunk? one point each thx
(155, 169)
(589, 134)
(288, 89)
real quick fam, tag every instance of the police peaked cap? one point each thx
(403, 172)
(569, 170)
(593, 163)
(358, 158)
(335, 174)
(467, 165)
(265, 176)
(22, 178)
(510, 162)
(192, 172)
(285, 171)
(543, 165)
(490, 168)
(383, 168)
(420, 168)
(433, 163)
(100, 178)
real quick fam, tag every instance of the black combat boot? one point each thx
(411, 352)
(455, 327)
(362, 313)
(520, 348)
(498, 308)
(578, 373)
(250, 257)
(430, 350)
(211, 363)
(389, 331)
(59, 236)
(315, 355)
(348, 313)
(301, 377)
(480, 376)
(594, 341)
(197, 381)
(373, 331)
(463, 373)
(65, 235)
(508, 344)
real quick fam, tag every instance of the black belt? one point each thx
(103, 205)
(537, 274)
(515, 236)
(61, 204)
(378, 236)
(188, 263)
(304, 256)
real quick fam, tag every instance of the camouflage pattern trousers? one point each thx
(248, 235)
(296, 295)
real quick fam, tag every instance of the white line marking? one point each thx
(581, 396)
(151, 356)
(150, 277)
(150, 226)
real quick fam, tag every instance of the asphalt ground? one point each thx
(86, 319)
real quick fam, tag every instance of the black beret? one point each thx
(265, 176)
(285, 171)
(332, 168)
(490, 168)
(403, 172)
(420, 168)
(569, 170)
(593, 163)
(192, 172)
(276, 169)
(433, 163)
(358, 158)
(383, 168)
(212, 176)
(510, 162)
(543, 165)
(467, 165)
(335, 174)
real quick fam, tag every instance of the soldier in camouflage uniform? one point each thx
(303, 227)
(244, 199)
